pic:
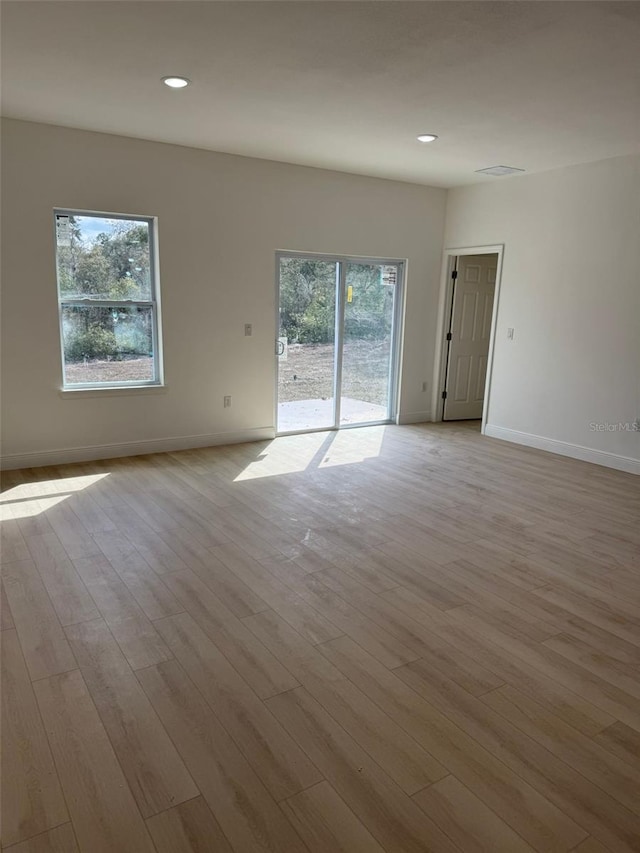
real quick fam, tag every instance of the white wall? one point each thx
(221, 219)
(571, 290)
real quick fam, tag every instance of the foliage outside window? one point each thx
(108, 300)
(307, 301)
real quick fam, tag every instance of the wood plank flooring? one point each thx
(396, 639)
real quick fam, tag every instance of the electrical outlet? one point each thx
(248, 330)
(227, 402)
(510, 334)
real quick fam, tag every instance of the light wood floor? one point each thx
(385, 639)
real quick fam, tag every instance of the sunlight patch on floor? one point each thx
(44, 488)
(28, 508)
(30, 499)
(291, 454)
(350, 446)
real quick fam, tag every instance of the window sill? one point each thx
(125, 391)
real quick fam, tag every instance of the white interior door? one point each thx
(471, 313)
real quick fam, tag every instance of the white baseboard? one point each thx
(564, 448)
(134, 448)
(414, 418)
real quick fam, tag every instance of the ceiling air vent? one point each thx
(499, 170)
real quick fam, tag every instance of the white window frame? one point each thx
(153, 302)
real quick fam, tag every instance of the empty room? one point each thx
(320, 445)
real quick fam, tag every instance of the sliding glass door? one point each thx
(307, 343)
(337, 341)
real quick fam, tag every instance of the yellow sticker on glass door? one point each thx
(349, 293)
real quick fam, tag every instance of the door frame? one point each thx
(397, 333)
(450, 257)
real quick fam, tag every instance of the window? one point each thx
(108, 294)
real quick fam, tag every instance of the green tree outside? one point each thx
(307, 301)
(114, 266)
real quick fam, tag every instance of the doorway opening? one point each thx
(468, 310)
(337, 348)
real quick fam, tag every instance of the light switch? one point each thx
(248, 330)
(510, 334)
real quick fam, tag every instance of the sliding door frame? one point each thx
(397, 327)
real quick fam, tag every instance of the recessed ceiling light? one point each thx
(176, 82)
(499, 170)
(427, 137)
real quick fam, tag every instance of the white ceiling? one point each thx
(341, 85)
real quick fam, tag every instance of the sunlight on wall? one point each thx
(30, 499)
(295, 453)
